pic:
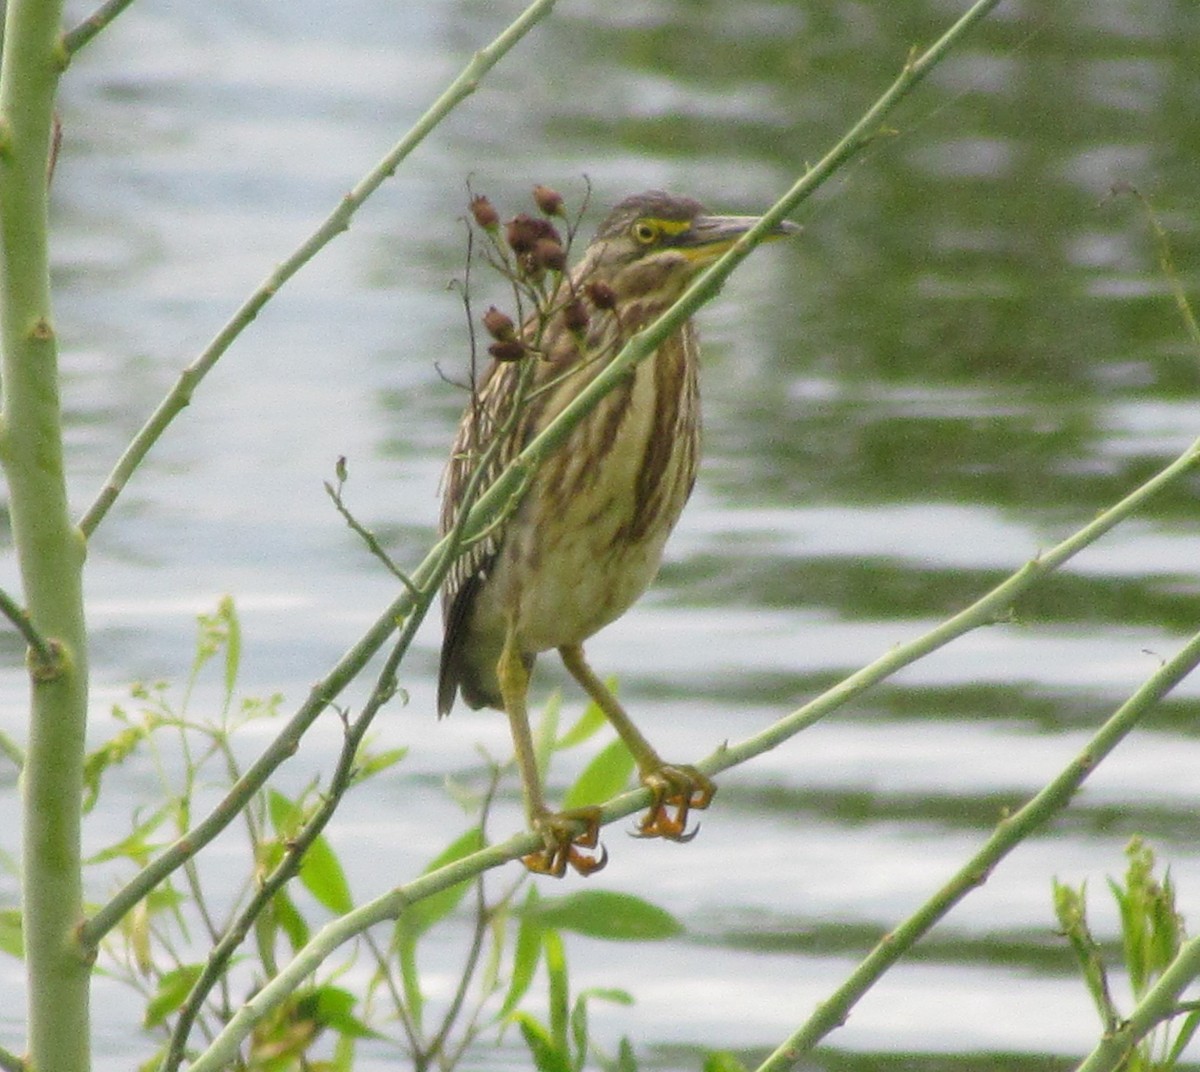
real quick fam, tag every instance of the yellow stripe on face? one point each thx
(671, 227)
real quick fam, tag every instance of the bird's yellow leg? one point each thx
(565, 834)
(677, 789)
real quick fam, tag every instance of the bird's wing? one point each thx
(481, 425)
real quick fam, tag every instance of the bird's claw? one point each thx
(676, 792)
(564, 843)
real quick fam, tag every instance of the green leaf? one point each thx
(367, 764)
(173, 989)
(603, 778)
(545, 1057)
(607, 993)
(113, 751)
(281, 915)
(11, 940)
(626, 1061)
(560, 991)
(233, 644)
(546, 733)
(343, 1055)
(334, 1008)
(605, 914)
(135, 847)
(579, 1032)
(526, 955)
(322, 875)
(590, 722)
(320, 870)
(722, 1061)
(286, 815)
(1186, 1031)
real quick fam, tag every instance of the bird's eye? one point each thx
(645, 232)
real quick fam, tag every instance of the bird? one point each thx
(586, 537)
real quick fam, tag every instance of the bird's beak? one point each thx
(710, 236)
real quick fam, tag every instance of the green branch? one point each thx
(1009, 833)
(49, 551)
(1160, 1003)
(75, 39)
(42, 649)
(335, 223)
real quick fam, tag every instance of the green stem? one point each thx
(988, 609)
(1160, 1003)
(42, 649)
(75, 39)
(49, 550)
(335, 223)
(1009, 833)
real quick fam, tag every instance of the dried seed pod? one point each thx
(484, 213)
(508, 350)
(575, 315)
(548, 201)
(523, 232)
(548, 253)
(498, 325)
(602, 296)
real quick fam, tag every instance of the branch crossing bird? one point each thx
(586, 537)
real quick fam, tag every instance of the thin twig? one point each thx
(43, 650)
(366, 535)
(337, 222)
(74, 40)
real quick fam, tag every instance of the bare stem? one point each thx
(1160, 1003)
(41, 646)
(75, 39)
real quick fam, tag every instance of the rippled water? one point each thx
(968, 354)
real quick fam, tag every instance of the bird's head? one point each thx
(655, 243)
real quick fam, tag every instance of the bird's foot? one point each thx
(677, 791)
(567, 836)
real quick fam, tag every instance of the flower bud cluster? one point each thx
(530, 246)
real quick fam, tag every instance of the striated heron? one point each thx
(587, 535)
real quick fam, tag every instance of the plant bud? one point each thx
(522, 233)
(601, 294)
(575, 315)
(548, 201)
(498, 325)
(508, 350)
(485, 214)
(547, 253)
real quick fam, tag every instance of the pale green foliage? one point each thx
(516, 936)
(1152, 932)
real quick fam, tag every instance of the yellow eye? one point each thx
(645, 232)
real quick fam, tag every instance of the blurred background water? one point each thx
(970, 351)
